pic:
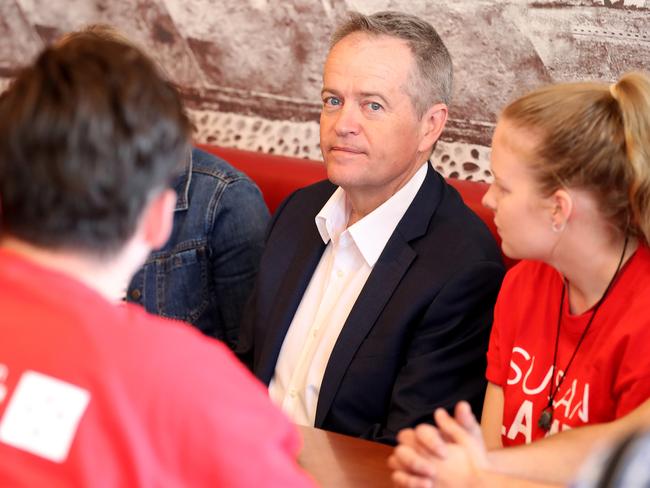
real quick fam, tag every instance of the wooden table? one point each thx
(339, 461)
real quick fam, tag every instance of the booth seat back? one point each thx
(278, 176)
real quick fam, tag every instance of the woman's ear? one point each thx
(561, 209)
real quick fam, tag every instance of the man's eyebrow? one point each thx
(384, 100)
(375, 95)
(330, 91)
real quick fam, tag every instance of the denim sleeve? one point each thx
(246, 344)
(236, 241)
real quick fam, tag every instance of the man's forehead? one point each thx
(361, 37)
(359, 43)
(369, 59)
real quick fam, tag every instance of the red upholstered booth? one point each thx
(278, 176)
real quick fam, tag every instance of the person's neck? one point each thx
(108, 277)
(362, 203)
(588, 276)
(364, 200)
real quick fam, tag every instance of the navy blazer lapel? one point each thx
(291, 288)
(391, 266)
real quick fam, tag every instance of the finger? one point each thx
(407, 437)
(406, 459)
(466, 418)
(405, 480)
(429, 441)
(395, 463)
(450, 428)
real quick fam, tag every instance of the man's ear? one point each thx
(158, 218)
(431, 125)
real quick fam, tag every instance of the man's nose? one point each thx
(347, 120)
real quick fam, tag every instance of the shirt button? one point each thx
(136, 294)
(339, 273)
(292, 393)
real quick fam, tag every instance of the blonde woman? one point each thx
(571, 198)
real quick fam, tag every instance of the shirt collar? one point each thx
(182, 186)
(372, 232)
(332, 220)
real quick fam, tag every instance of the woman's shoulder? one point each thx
(526, 282)
(526, 271)
(634, 282)
(641, 258)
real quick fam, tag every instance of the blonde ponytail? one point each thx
(632, 93)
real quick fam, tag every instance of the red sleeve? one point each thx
(631, 360)
(632, 396)
(494, 372)
(501, 337)
(632, 383)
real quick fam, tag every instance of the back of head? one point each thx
(432, 82)
(87, 134)
(97, 31)
(595, 137)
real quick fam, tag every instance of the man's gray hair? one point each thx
(432, 82)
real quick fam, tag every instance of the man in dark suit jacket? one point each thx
(367, 320)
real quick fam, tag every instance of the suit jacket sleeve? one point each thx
(444, 362)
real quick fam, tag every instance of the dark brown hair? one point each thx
(87, 134)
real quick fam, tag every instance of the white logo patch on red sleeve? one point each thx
(43, 415)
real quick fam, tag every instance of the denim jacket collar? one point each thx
(182, 187)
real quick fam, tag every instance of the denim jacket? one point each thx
(205, 272)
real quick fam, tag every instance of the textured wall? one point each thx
(250, 70)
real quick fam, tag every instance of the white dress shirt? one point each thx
(340, 275)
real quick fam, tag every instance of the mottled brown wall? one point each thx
(250, 70)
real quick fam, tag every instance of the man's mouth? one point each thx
(347, 149)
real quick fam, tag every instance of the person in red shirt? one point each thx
(571, 197)
(94, 392)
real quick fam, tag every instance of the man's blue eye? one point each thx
(332, 101)
(374, 106)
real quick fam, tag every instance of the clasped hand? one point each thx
(453, 454)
